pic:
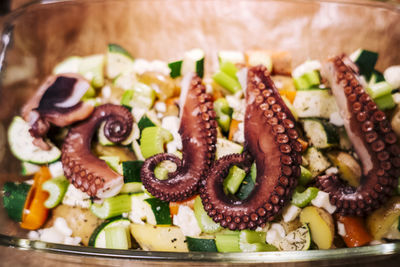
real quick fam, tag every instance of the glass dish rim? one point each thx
(238, 257)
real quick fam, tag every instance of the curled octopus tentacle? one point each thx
(373, 139)
(199, 135)
(271, 140)
(83, 169)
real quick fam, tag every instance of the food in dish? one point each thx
(252, 157)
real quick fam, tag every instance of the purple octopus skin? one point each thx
(271, 140)
(57, 101)
(373, 139)
(198, 130)
(83, 169)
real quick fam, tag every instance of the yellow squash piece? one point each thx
(159, 238)
(321, 225)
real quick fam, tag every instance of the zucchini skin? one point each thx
(14, 197)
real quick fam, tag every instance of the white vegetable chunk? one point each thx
(322, 201)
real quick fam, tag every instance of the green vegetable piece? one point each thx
(248, 183)
(227, 242)
(126, 98)
(161, 211)
(385, 102)
(376, 77)
(175, 68)
(143, 95)
(133, 187)
(365, 61)
(56, 188)
(14, 196)
(227, 82)
(112, 206)
(117, 237)
(112, 162)
(153, 139)
(233, 180)
(131, 171)
(379, 89)
(92, 68)
(90, 93)
(115, 48)
(305, 176)
(229, 68)
(201, 244)
(252, 241)
(145, 122)
(303, 199)
(307, 80)
(224, 113)
(206, 224)
(253, 172)
(250, 236)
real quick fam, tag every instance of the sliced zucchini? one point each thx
(111, 207)
(69, 65)
(153, 139)
(125, 81)
(233, 180)
(133, 187)
(376, 77)
(118, 61)
(131, 171)
(98, 237)
(365, 61)
(92, 68)
(314, 103)
(28, 168)
(113, 162)
(379, 89)
(253, 241)
(317, 161)
(145, 122)
(57, 187)
(321, 133)
(139, 94)
(201, 244)
(118, 237)
(206, 224)
(308, 80)
(299, 239)
(227, 242)
(175, 68)
(21, 144)
(160, 212)
(193, 61)
(226, 147)
(232, 56)
(14, 196)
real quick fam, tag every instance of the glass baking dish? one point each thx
(39, 35)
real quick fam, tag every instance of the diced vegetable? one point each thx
(131, 171)
(321, 225)
(314, 103)
(230, 56)
(317, 161)
(175, 68)
(321, 133)
(365, 61)
(145, 122)
(376, 77)
(379, 89)
(233, 180)
(290, 95)
(349, 168)
(174, 206)
(117, 237)
(201, 244)
(234, 127)
(28, 168)
(224, 113)
(305, 176)
(111, 207)
(257, 57)
(227, 242)
(227, 82)
(118, 61)
(229, 68)
(385, 102)
(248, 183)
(98, 238)
(68, 65)
(159, 238)
(14, 197)
(35, 213)
(92, 68)
(193, 61)
(56, 188)
(206, 224)
(299, 239)
(392, 76)
(253, 241)
(153, 139)
(302, 199)
(21, 144)
(226, 147)
(160, 211)
(307, 80)
(113, 162)
(356, 233)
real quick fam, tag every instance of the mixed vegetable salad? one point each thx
(55, 211)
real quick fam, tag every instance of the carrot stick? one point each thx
(233, 128)
(356, 233)
(303, 143)
(35, 213)
(174, 206)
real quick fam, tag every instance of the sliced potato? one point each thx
(349, 168)
(291, 226)
(123, 153)
(82, 222)
(321, 225)
(380, 221)
(159, 238)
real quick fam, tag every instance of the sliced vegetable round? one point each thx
(299, 239)
(98, 237)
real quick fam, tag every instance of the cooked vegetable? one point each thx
(92, 68)
(314, 103)
(321, 225)
(201, 244)
(206, 224)
(299, 239)
(28, 168)
(365, 61)
(224, 113)
(153, 140)
(234, 57)
(234, 128)
(257, 57)
(56, 188)
(14, 197)
(227, 242)
(379, 89)
(174, 206)
(160, 210)
(356, 233)
(118, 61)
(233, 180)
(253, 241)
(193, 61)
(35, 213)
(175, 68)
(132, 181)
(227, 82)
(380, 220)
(302, 199)
(321, 133)
(226, 147)
(349, 168)
(159, 238)
(307, 80)
(118, 237)
(305, 176)
(68, 65)
(145, 122)
(290, 95)
(385, 102)
(98, 238)
(112, 206)
(317, 161)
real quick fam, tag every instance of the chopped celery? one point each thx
(112, 206)
(305, 176)
(56, 188)
(153, 139)
(250, 236)
(113, 162)
(175, 68)
(206, 224)
(229, 68)
(252, 241)
(143, 95)
(307, 80)
(234, 179)
(226, 81)
(253, 172)
(248, 183)
(303, 199)
(117, 237)
(227, 242)
(163, 168)
(131, 171)
(92, 68)
(385, 102)
(126, 98)
(224, 112)
(379, 89)
(132, 187)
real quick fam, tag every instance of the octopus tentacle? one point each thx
(199, 134)
(271, 140)
(84, 170)
(373, 140)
